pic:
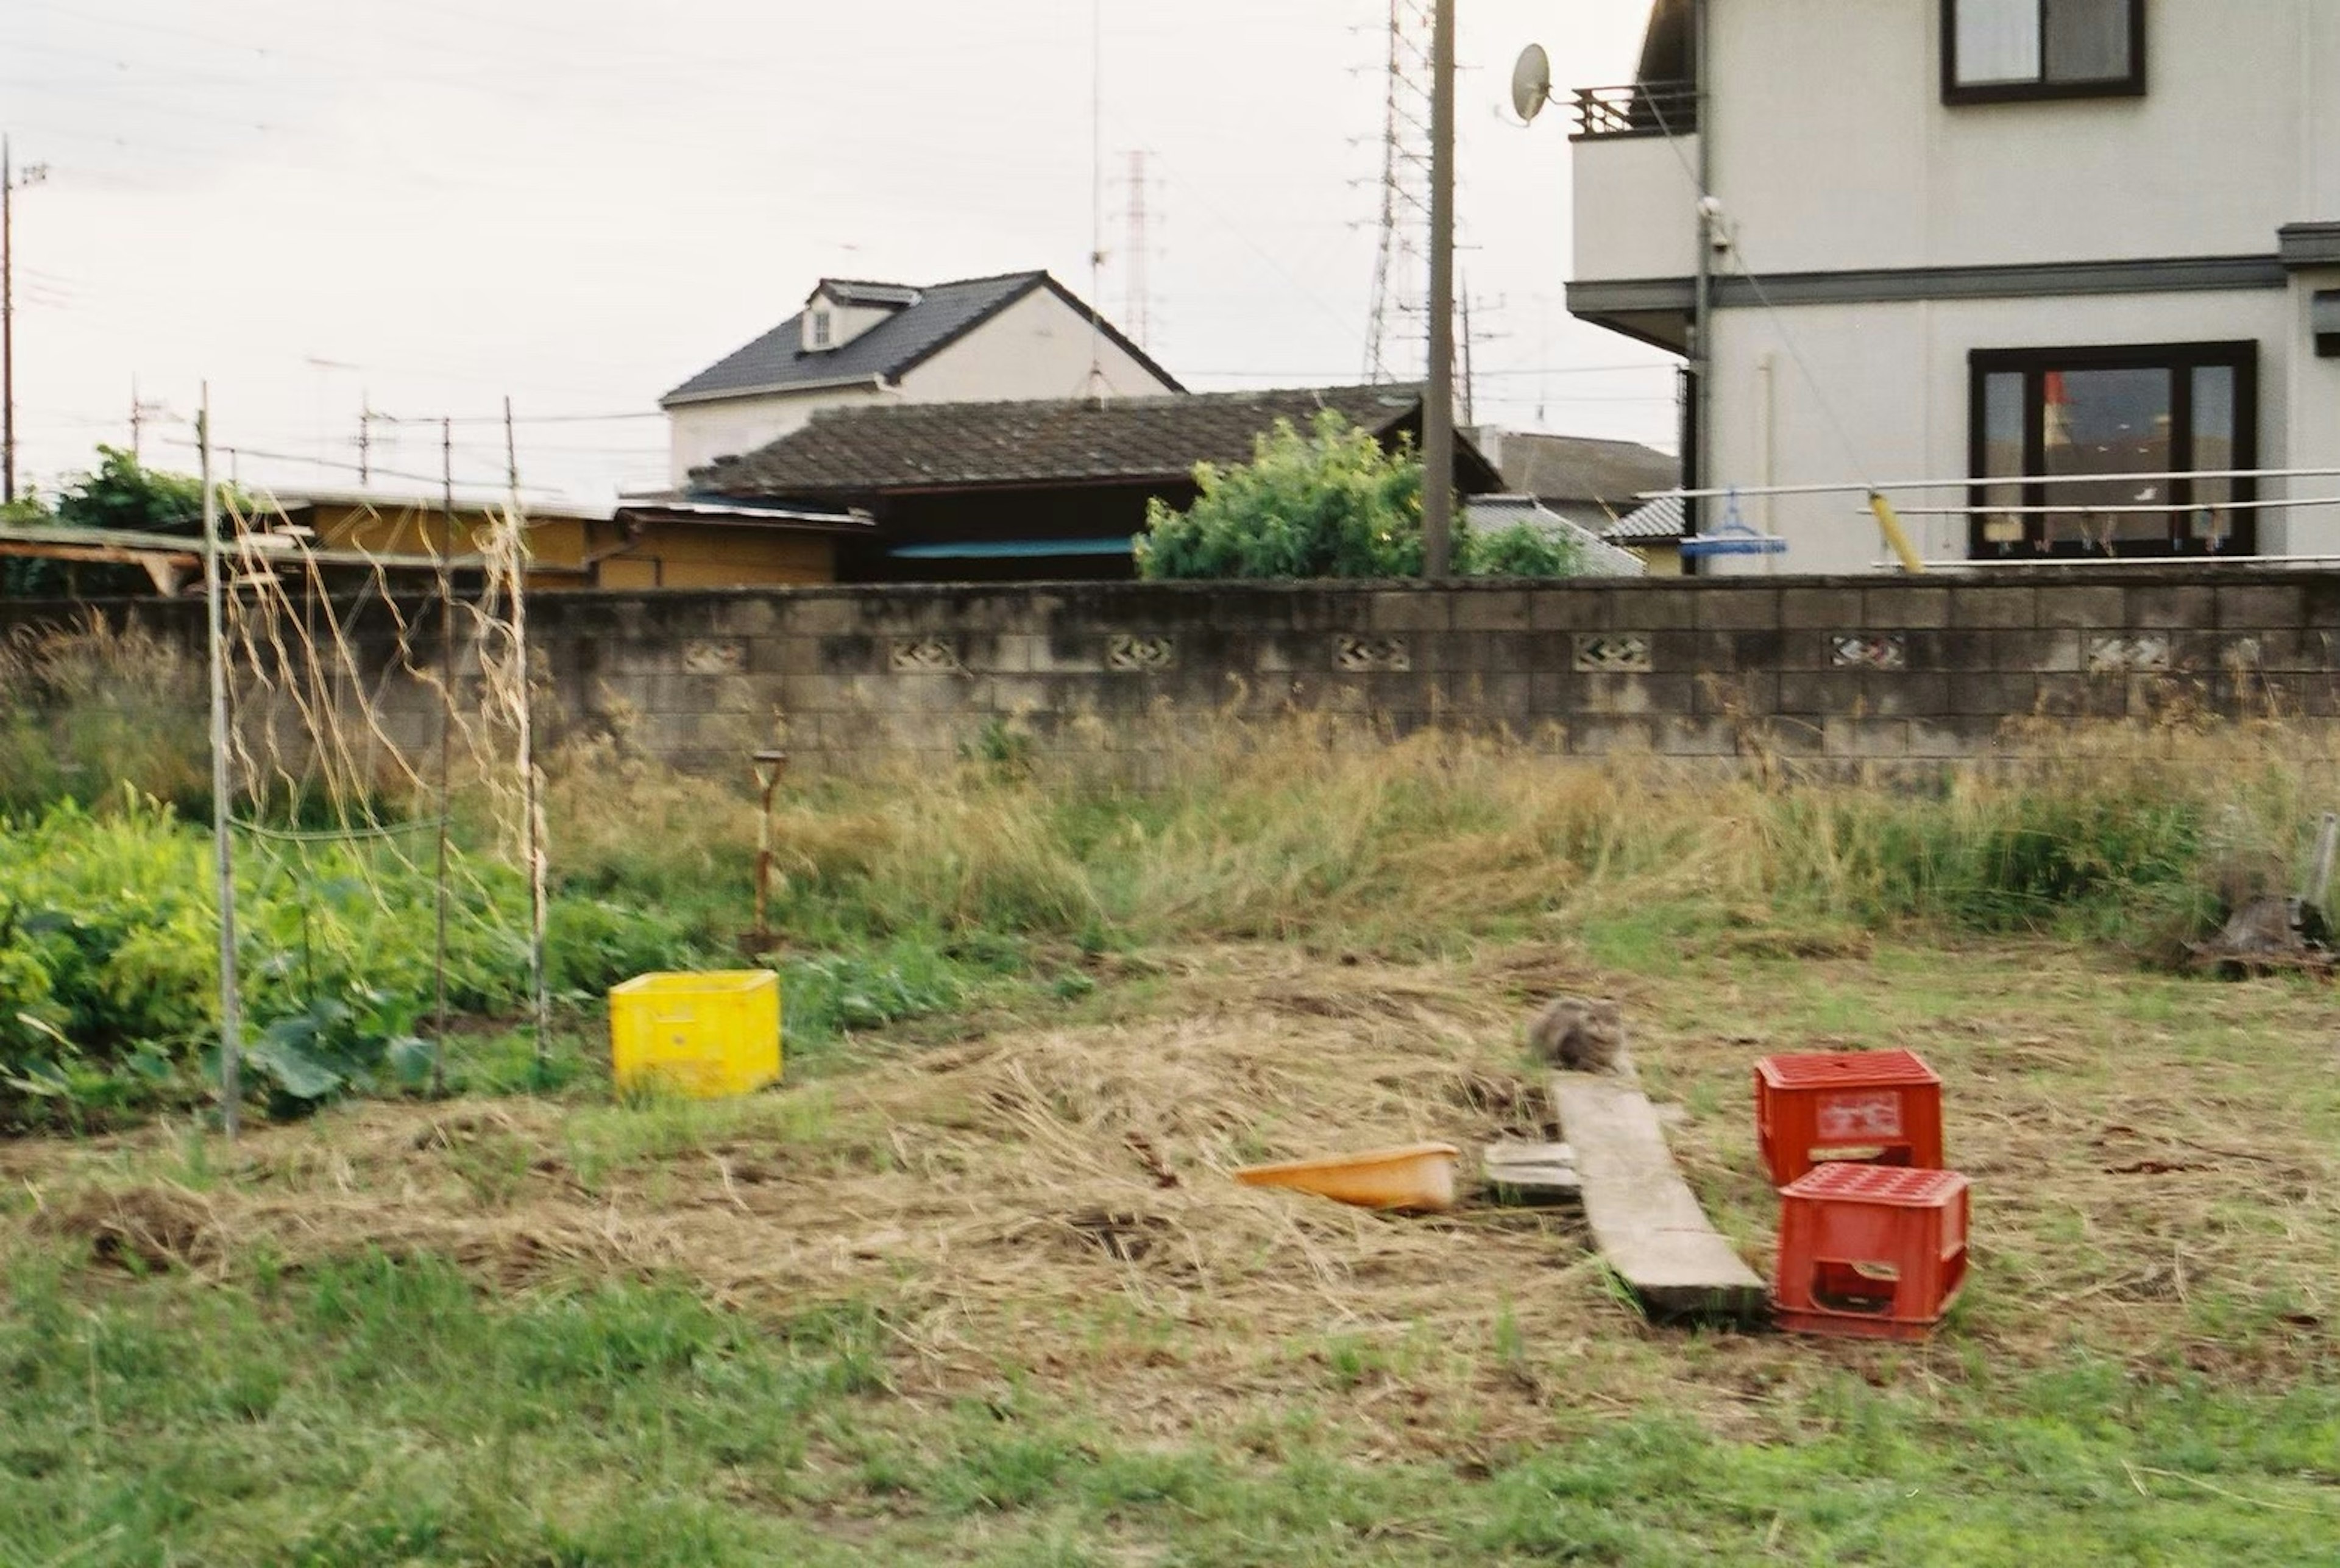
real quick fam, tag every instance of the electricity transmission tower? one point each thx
(1400, 261)
(1137, 306)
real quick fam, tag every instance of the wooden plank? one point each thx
(1645, 1219)
(1526, 1173)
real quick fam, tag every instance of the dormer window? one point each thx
(821, 327)
(1994, 50)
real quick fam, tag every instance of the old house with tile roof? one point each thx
(1033, 488)
(857, 343)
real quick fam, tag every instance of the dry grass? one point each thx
(2156, 1164)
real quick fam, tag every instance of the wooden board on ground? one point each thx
(1645, 1220)
(1526, 1173)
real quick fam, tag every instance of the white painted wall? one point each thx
(1637, 207)
(1037, 348)
(1881, 396)
(2312, 393)
(1833, 150)
(699, 433)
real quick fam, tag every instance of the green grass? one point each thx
(2144, 1370)
(392, 1412)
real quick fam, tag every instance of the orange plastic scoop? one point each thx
(1416, 1176)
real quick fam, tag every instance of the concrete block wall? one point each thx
(1851, 668)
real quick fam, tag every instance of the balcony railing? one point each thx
(1642, 109)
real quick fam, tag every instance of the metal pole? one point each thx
(1438, 397)
(8, 326)
(768, 766)
(224, 845)
(446, 729)
(1701, 362)
(535, 805)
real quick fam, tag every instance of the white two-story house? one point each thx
(1016, 336)
(2011, 246)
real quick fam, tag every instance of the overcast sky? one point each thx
(422, 205)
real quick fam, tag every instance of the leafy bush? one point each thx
(1521, 549)
(1331, 503)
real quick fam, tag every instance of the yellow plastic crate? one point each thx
(705, 1035)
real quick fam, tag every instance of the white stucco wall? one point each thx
(699, 433)
(1833, 151)
(1037, 347)
(2311, 392)
(1637, 207)
(1891, 406)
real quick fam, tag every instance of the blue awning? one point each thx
(1008, 549)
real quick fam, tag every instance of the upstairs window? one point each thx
(1994, 50)
(820, 328)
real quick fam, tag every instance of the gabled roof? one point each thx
(894, 448)
(924, 321)
(1562, 468)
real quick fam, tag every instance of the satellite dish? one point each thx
(1532, 82)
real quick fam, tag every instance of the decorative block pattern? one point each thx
(1833, 673)
(1869, 651)
(924, 655)
(715, 656)
(1613, 652)
(1132, 651)
(2130, 653)
(1362, 655)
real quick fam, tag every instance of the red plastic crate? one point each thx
(1876, 1108)
(1870, 1252)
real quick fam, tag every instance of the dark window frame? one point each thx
(2181, 360)
(2132, 85)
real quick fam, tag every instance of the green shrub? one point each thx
(1521, 549)
(1331, 503)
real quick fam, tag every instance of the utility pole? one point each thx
(139, 409)
(9, 181)
(365, 440)
(1438, 397)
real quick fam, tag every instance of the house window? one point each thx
(821, 329)
(2079, 446)
(1995, 50)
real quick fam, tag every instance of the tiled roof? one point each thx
(865, 451)
(1616, 473)
(1659, 520)
(927, 321)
